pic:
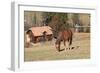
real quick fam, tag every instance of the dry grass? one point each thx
(47, 51)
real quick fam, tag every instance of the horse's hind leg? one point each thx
(70, 40)
(64, 44)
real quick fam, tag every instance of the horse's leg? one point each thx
(70, 40)
(65, 44)
(59, 47)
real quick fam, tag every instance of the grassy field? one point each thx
(47, 51)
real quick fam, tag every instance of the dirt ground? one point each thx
(47, 51)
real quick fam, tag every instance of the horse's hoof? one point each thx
(72, 47)
(69, 48)
(61, 50)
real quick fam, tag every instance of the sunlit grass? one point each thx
(47, 51)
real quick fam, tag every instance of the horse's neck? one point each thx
(58, 41)
(59, 35)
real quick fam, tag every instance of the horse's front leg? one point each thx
(67, 45)
(64, 44)
(59, 47)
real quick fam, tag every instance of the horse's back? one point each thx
(67, 33)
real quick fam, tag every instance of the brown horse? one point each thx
(65, 36)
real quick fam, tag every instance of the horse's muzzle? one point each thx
(56, 45)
